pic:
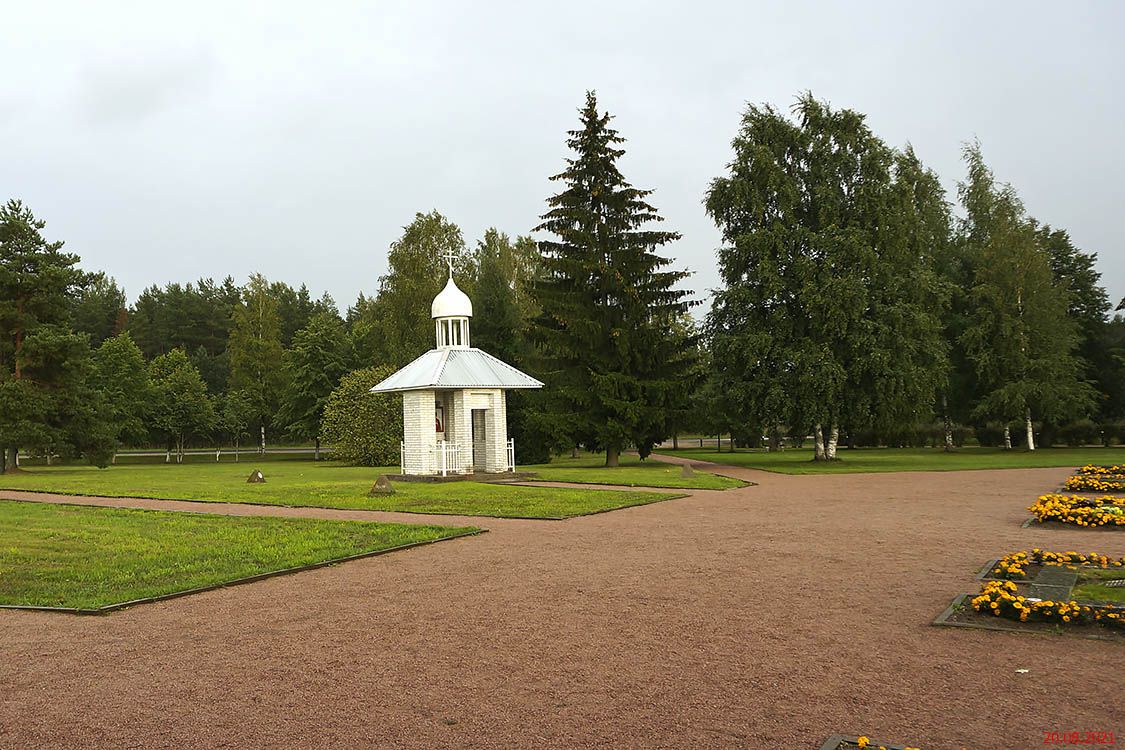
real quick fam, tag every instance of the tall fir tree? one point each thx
(607, 301)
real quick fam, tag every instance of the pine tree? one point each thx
(43, 364)
(606, 301)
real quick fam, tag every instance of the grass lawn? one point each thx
(633, 472)
(864, 460)
(322, 485)
(86, 557)
(1092, 586)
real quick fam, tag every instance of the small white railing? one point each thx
(511, 455)
(402, 457)
(447, 458)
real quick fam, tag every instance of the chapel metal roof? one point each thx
(456, 368)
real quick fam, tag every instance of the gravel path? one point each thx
(764, 617)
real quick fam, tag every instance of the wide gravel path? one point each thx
(764, 617)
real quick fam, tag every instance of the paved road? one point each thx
(764, 617)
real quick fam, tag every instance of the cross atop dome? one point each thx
(450, 256)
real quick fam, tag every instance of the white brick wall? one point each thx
(418, 431)
(421, 439)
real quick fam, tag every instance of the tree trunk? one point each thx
(316, 454)
(236, 452)
(675, 442)
(613, 456)
(1030, 431)
(11, 460)
(168, 455)
(262, 449)
(218, 453)
(574, 452)
(818, 436)
(1007, 438)
(947, 424)
(180, 449)
(833, 439)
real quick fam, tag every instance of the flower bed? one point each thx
(1014, 566)
(1001, 599)
(1080, 511)
(1079, 483)
(841, 742)
(1116, 470)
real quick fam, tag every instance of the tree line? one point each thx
(856, 305)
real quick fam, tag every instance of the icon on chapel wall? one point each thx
(439, 418)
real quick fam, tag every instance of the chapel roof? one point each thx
(456, 368)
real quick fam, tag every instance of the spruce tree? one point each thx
(607, 301)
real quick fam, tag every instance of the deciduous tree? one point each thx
(320, 356)
(1020, 338)
(829, 312)
(256, 354)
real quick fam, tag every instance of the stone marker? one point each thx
(382, 486)
(687, 471)
(256, 477)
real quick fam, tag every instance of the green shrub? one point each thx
(362, 427)
(1079, 433)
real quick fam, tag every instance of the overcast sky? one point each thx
(164, 142)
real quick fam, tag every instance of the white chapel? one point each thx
(453, 406)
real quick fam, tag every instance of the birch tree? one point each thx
(830, 309)
(1019, 338)
(256, 353)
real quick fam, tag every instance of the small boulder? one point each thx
(256, 477)
(381, 487)
(687, 471)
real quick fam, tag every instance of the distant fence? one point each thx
(194, 455)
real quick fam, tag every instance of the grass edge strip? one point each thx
(107, 608)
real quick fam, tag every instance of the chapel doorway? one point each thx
(479, 445)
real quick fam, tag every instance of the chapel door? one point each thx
(479, 443)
